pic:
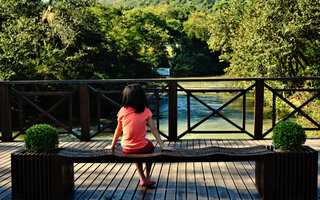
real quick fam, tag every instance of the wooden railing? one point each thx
(81, 95)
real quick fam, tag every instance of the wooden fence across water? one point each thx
(74, 94)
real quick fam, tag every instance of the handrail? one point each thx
(86, 89)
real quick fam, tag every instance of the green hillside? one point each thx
(144, 3)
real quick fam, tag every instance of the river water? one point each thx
(198, 111)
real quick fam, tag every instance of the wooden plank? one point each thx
(80, 168)
(209, 177)
(130, 170)
(191, 186)
(82, 184)
(231, 187)
(103, 181)
(249, 144)
(224, 182)
(217, 175)
(6, 194)
(5, 172)
(172, 179)
(249, 165)
(95, 182)
(104, 184)
(5, 186)
(162, 181)
(109, 191)
(141, 191)
(6, 179)
(129, 176)
(132, 186)
(181, 177)
(156, 172)
(199, 177)
(8, 148)
(248, 175)
(68, 144)
(6, 145)
(314, 143)
(237, 178)
(5, 157)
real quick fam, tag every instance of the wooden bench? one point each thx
(274, 174)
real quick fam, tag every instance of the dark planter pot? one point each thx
(289, 175)
(40, 176)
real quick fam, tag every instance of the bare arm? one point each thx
(156, 134)
(116, 136)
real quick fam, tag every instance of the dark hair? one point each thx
(134, 96)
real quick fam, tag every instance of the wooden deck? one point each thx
(222, 180)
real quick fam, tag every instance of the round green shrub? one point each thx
(41, 138)
(288, 136)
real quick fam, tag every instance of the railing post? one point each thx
(258, 109)
(173, 117)
(84, 112)
(5, 116)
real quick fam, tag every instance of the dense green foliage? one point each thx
(41, 138)
(206, 4)
(47, 41)
(81, 39)
(288, 136)
(274, 38)
(189, 54)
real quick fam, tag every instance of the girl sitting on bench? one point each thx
(132, 119)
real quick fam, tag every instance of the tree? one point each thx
(79, 39)
(200, 4)
(47, 40)
(197, 25)
(136, 39)
(192, 57)
(267, 38)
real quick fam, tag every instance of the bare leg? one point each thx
(140, 171)
(148, 169)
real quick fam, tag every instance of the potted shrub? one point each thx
(41, 138)
(37, 171)
(288, 136)
(291, 171)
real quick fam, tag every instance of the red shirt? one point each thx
(133, 127)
